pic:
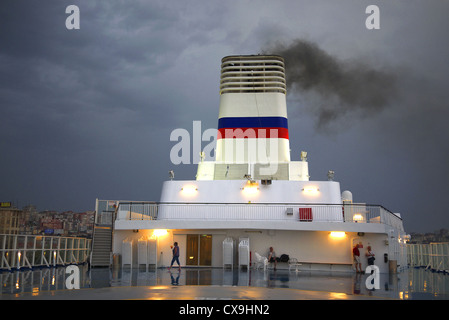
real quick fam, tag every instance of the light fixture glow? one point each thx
(337, 234)
(159, 232)
(357, 217)
(311, 189)
(18, 260)
(189, 189)
(251, 187)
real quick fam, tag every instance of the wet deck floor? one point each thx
(220, 284)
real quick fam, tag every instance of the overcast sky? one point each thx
(88, 113)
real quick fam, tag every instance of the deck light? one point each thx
(251, 187)
(159, 232)
(18, 259)
(337, 234)
(311, 190)
(357, 217)
(189, 190)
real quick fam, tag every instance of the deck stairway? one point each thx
(102, 246)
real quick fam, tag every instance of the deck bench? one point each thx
(292, 263)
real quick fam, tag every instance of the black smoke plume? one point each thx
(341, 87)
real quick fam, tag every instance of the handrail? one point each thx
(262, 203)
(349, 213)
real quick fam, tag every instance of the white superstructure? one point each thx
(255, 195)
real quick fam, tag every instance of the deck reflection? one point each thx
(410, 284)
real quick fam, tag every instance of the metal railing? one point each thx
(105, 218)
(434, 256)
(19, 251)
(349, 213)
(137, 211)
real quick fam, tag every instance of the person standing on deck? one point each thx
(175, 256)
(356, 255)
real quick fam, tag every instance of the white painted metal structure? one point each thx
(147, 252)
(29, 251)
(434, 256)
(261, 195)
(228, 252)
(244, 249)
(127, 252)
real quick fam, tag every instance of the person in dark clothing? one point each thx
(272, 257)
(370, 256)
(175, 256)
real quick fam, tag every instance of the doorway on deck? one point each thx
(199, 250)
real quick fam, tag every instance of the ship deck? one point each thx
(220, 284)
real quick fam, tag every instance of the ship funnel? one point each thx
(253, 134)
(253, 110)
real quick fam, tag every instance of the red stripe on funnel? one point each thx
(247, 133)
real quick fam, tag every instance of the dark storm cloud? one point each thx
(57, 79)
(344, 86)
(79, 108)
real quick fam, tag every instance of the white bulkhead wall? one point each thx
(253, 150)
(231, 191)
(264, 104)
